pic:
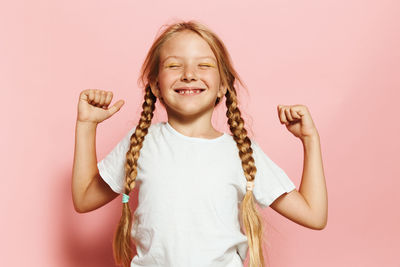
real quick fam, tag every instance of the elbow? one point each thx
(78, 207)
(320, 220)
(79, 210)
(320, 225)
(317, 221)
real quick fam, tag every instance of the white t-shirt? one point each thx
(189, 194)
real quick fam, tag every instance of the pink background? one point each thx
(339, 58)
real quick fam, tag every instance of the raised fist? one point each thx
(93, 105)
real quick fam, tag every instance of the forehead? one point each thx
(186, 45)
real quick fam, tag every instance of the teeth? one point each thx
(189, 91)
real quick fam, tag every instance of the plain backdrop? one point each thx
(339, 58)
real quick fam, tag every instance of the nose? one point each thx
(188, 74)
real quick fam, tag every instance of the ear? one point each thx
(222, 90)
(155, 89)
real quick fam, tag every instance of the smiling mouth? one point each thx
(191, 91)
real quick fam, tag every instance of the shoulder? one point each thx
(154, 127)
(257, 152)
(256, 148)
(254, 143)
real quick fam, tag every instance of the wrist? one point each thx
(86, 124)
(310, 138)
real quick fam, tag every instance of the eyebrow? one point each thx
(196, 57)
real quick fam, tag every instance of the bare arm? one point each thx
(89, 191)
(309, 205)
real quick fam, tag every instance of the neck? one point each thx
(194, 126)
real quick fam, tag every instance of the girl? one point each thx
(198, 187)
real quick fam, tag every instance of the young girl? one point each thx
(198, 187)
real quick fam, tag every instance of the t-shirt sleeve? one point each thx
(112, 166)
(270, 180)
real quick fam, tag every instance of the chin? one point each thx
(190, 110)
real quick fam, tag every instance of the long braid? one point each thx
(250, 217)
(122, 245)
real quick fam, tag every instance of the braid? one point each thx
(250, 217)
(122, 246)
(137, 139)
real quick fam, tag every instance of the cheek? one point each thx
(167, 78)
(214, 79)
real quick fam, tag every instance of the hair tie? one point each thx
(249, 185)
(125, 198)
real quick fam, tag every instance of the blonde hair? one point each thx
(250, 219)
